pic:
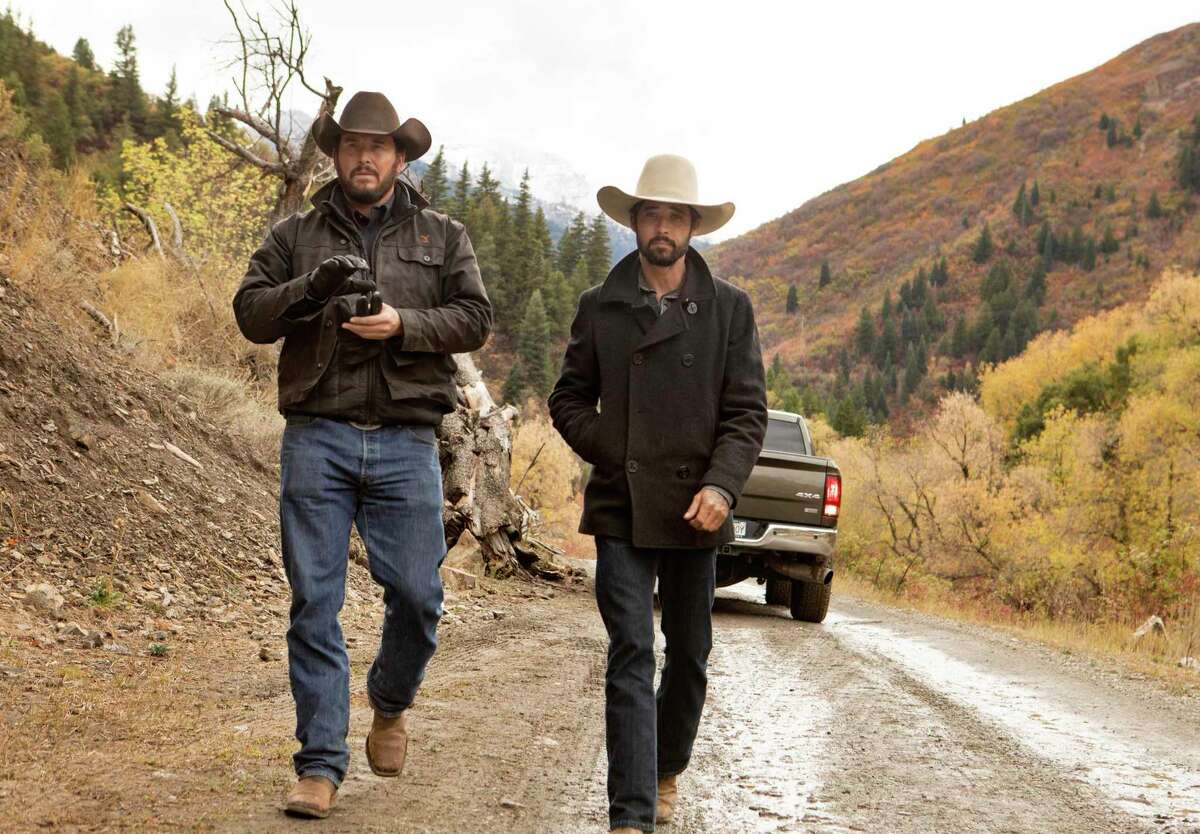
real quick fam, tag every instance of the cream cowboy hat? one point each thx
(665, 179)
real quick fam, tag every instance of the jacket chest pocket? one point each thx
(412, 277)
(308, 256)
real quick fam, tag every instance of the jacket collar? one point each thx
(621, 285)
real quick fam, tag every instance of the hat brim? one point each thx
(617, 204)
(413, 136)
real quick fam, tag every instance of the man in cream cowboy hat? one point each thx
(371, 292)
(671, 356)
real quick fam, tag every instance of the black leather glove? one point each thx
(336, 276)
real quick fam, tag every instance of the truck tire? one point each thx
(779, 591)
(810, 600)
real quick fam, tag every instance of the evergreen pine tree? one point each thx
(1089, 255)
(1109, 244)
(83, 55)
(793, 301)
(826, 275)
(1111, 137)
(1153, 207)
(1035, 196)
(596, 252)
(1103, 121)
(571, 245)
(533, 346)
(1137, 128)
(129, 103)
(960, 339)
(1019, 204)
(983, 246)
(864, 333)
(461, 202)
(514, 388)
(435, 184)
(487, 184)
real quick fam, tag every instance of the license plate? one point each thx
(739, 529)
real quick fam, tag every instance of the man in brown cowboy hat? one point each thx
(371, 292)
(671, 356)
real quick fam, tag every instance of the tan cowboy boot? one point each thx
(668, 795)
(312, 797)
(387, 744)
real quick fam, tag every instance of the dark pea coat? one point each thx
(682, 403)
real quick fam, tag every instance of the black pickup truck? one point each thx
(785, 524)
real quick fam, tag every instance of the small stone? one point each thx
(266, 653)
(72, 629)
(498, 615)
(454, 579)
(44, 597)
(92, 640)
(510, 803)
(1189, 663)
(117, 648)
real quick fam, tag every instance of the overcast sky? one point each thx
(775, 102)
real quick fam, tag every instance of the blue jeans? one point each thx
(650, 735)
(388, 483)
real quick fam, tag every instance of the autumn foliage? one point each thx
(1070, 488)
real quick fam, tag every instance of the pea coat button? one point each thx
(683, 473)
(320, 364)
(691, 307)
(426, 259)
(638, 359)
(688, 359)
(342, 241)
(328, 323)
(631, 466)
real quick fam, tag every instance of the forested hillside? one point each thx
(886, 292)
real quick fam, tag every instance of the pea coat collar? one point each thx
(621, 287)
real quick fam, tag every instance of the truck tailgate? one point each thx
(787, 488)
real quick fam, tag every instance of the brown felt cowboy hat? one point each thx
(372, 113)
(665, 179)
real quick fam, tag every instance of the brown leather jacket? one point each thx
(424, 266)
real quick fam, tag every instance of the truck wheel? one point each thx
(779, 591)
(810, 600)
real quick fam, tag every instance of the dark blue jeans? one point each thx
(388, 483)
(650, 735)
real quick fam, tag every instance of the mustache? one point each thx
(661, 239)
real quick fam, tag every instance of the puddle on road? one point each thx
(1136, 781)
(761, 744)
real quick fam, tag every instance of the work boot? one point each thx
(387, 744)
(668, 795)
(312, 797)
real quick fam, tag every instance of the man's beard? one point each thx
(662, 257)
(363, 196)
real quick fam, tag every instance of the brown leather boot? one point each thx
(312, 797)
(668, 795)
(387, 744)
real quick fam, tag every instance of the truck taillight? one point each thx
(833, 496)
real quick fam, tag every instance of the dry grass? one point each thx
(1109, 643)
(232, 403)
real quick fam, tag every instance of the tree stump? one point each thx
(475, 444)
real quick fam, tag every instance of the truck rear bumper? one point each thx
(793, 538)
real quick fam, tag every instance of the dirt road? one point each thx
(876, 721)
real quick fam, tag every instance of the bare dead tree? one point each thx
(270, 61)
(148, 222)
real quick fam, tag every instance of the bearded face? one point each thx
(367, 166)
(663, 231)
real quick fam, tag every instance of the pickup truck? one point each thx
(785, 524)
